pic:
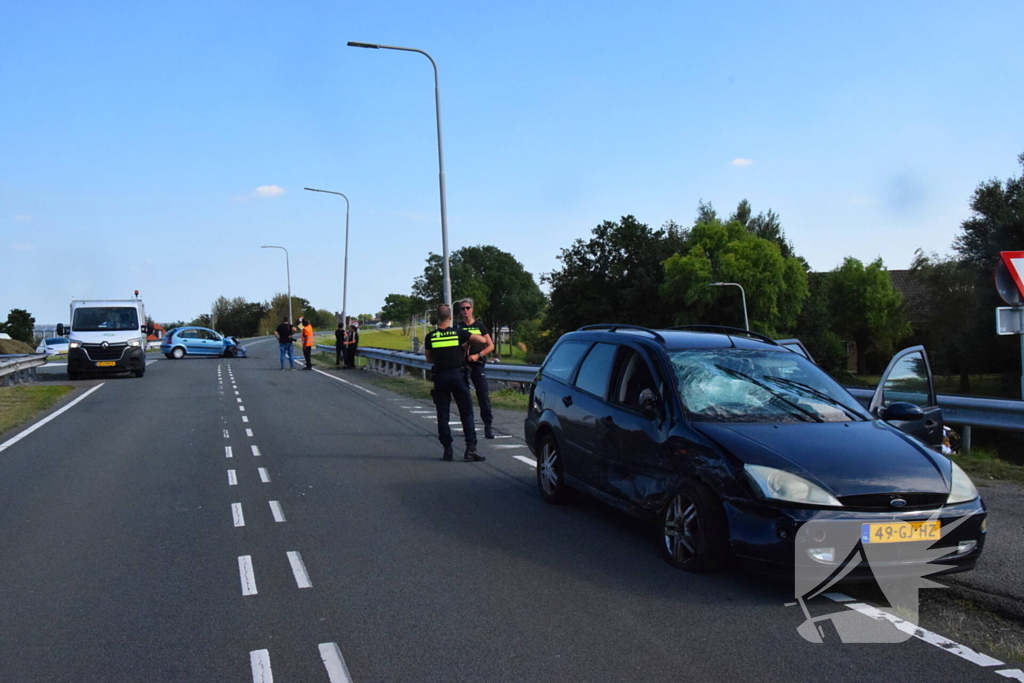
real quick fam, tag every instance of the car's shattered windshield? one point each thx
(735, 385)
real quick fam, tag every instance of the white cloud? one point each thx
(23, 218)
(741, 162)
(22, 247)
(268, 191)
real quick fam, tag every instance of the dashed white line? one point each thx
(275, 509)
(245, 419)
(502, 436)
(256, 450)
(264, 476)
(260, 662)
(529, 461)
(246, 575)
(337, 672)
(227, 452)
(232, 386)
(299, 570)
(226, 436)
(239, 400)
(232, 478)
(503, 447)
(15, 439)
(351, 384)
(422, 412)
(429, 417)
(248, 432)
(236, 514)
(1015, 674)
(242, 408)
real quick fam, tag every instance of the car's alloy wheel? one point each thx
(177, 353)
(550, 477)
(694, 529)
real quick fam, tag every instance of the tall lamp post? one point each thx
(344, 280)
(288, 269)
(743, 295)
(440, 160)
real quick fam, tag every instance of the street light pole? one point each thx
(288, 269)
(344, 281)
(440, 160)
(743, 295)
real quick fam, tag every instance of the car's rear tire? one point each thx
(73, 376)
(694, 529)
(177, 353)
(550, 475)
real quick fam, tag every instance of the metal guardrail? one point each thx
(392, 362)
(17, 369)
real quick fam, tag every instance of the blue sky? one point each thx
(136, 136)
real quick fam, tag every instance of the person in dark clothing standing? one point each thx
(340, 349)
(284, 334)
(351, 347)
(445, 348)
(475, 361)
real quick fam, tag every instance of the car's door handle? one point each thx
(567, 400)
(931, 424)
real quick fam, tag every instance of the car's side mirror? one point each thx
(60, 329)
(650, 404)
(902, 412)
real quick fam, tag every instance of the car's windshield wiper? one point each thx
(814, 392)
(803, 411)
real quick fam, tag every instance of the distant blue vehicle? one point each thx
(198, 341)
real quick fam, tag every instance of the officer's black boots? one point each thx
(488, 432)
(472, 455)
(448, 453)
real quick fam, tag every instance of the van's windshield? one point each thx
(104, 319)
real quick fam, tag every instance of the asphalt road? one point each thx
(331, 543)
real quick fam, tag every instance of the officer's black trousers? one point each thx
(449, 383)
(478, 377)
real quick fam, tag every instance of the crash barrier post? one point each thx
(20, 368)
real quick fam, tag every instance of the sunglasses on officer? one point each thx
(465, 308)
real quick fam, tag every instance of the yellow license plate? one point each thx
(106, 364)
(901, 532)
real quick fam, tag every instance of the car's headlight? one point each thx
(74, 345)
(134, 342)
(781, 485)
(962, 489)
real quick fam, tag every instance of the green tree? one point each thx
(775, 286)
(868, 308)
(814, 327)
(20, 325)
(402, 309)
(239, 317)
(278, 311)
(996, 223)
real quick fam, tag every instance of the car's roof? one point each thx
(676, 340)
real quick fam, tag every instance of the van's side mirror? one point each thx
(650, 404)
(148, 329)
(902, 412)
(60, 329)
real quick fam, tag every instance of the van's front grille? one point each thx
(111, 352)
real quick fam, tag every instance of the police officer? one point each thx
(445, 348)
(475, 361)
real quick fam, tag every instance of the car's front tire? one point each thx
(550, 474)
(177, 353)
(694, 528)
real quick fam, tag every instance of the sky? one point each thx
(157, 146)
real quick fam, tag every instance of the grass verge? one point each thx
(20, 404)
(983, 464)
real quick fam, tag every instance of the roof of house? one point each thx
(917, 297)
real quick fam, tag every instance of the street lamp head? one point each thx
(716, 284)
(369, 45)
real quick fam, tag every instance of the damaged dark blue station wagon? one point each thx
(730, 442)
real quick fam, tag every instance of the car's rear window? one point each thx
(563, 359)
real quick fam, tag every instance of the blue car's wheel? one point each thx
(695, 530)
(177, 353)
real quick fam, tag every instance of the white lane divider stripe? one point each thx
(236, 514)
(256, 450)
(337, 672)
(232, 478)
(260, 662)
(245, 418)
(246, 574)
(275, 509)
(226, 436)
(227, 452)
(429, 417)
(529, 461)
(504, 447)
(421, 412)
(248, 432)
(502, 436)
(299, 570)
(242, 408)
(264, 476)
(351, 384)
(1015, 674)
(15, 439)
(233, 386)
(238, 399)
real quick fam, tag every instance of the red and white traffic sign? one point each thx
(1014, 261)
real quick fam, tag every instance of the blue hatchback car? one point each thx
(197, 341)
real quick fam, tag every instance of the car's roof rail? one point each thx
(722, 329)
(615, 327)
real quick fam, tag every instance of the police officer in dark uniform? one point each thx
(475, 361)
(445, 348)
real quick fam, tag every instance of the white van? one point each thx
(106, 336)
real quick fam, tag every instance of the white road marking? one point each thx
(275, 509)
(242, 408)
(150, 362)
(226, 434)
(227, 452)
(422, 412)
(232, 478)
(343, 381)
(238, 399)
(260, 662)
(232, 386)
(246, 575)
(410, 407)
(529, 461)
(429, 417)
(264, 476)
(248, 432)
(245, 419)
(256, 450)
(236, 514)
(502, 436)
(506, 447)
(1015, 674)
(299, 570)
(15, 439)
(337, 672)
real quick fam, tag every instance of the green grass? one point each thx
(20, 404)
(984, 464)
